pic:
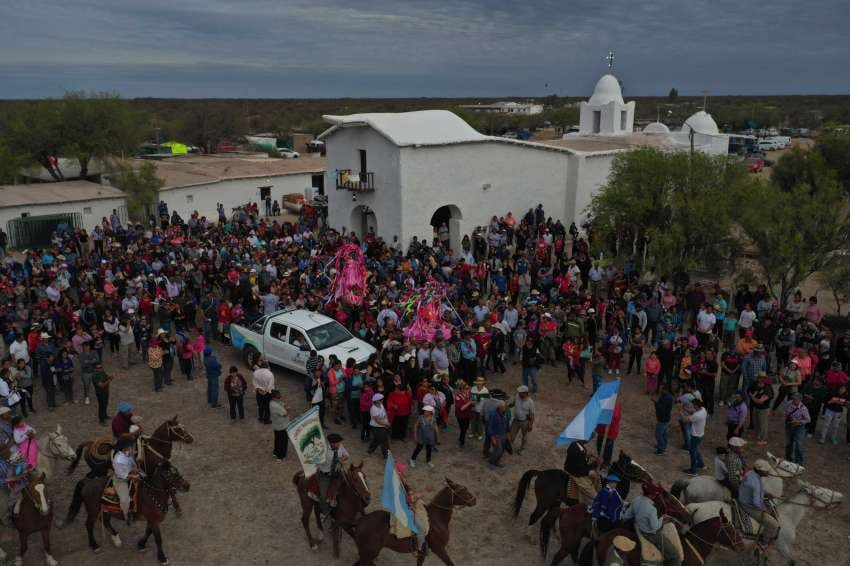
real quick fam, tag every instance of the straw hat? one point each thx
(624, 544)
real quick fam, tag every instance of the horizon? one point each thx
(335, 49)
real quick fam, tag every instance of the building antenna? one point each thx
(705, 100)
(610, 59)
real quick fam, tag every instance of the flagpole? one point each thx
(605, 435)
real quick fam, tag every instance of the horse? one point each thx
(154, 493)
(705, 488)
(97, 453)
(697, 543)
(790, 512)
(372, 532)
(35, 515)
(550, 486)
(155, 449)
(352, 500)
(576, 522)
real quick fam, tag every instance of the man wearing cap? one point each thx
(751, 499)
(796, 418)
(522, 416)
(753, 364)
(329, 472)
(735, 465)
(101, 381)
(497, 434)
(581, 471)
(124, 420)
(125, 469)
(379, 424)
(650, 526)
(607, 505)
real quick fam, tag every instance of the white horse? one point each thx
(706, 488)
(790, 512)
(53, 447)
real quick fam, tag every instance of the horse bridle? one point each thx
(52, 445)
(177, 431)
(350, 483)
(451, 504)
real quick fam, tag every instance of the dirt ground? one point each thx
(242, 507)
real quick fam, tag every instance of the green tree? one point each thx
(834, 147)
(795, 232)
(802, 167)
(141, 187)
(98, 126)
(673, 95)
(675, 203)
(836, 276)
(562, 117)
(30, 134)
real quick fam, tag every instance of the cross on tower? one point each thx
(610, 59)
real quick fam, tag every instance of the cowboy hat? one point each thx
(737, 442)
(334, 437)
(761, 466)
(624, 544)
(428, 409)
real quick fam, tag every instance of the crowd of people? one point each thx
(520, 291)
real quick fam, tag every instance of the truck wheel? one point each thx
(249, 354)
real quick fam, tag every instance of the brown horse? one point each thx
(35, 515)
(155, 491)
(352, 500)
(697, 543)
(576, 523)
(372, 532)
(98, 453)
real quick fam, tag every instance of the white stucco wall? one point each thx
(98, 209)
(591, 173)
(519, 177)
(610, 118)
(382, 159)
(231, 193)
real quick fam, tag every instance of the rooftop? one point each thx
(423, 127)
(191, 170)
(55, 193)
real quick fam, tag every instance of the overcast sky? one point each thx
(395, 48)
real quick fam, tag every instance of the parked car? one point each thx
(286, 338)
(287, 153)
(768, 145)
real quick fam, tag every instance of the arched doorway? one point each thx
(451, 216)
(362, 220)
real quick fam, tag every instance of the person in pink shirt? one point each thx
(813, 313)
(835, 377)
(651, 368)
(804, 363)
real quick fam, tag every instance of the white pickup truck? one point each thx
(286, 338)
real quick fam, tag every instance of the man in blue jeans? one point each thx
(212, 370)
(531, 361)
(697, 421)
(663, 409)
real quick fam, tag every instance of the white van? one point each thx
(767, 145)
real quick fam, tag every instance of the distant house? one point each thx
(79, 204)
(519, 108)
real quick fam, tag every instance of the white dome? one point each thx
(702, 123)
(656, 128)
(607, 90)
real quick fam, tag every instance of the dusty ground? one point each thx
(242, 507)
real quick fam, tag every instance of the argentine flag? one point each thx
(394, 499)
(599, 410)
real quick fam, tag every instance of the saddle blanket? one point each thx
(110, 502)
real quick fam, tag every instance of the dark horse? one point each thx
(697, 543)
(550, 489)
(576, 523)
(352, 500)
(155, 491)
(157, 448)
(35, 515)
(372, 532)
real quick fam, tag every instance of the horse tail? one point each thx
(80, 449)
(76, 501)
(296, 479)
(522, 488)
(679, 487)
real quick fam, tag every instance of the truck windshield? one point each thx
(328, 335)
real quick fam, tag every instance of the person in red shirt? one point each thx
(223, 322)
(483, 340)
(613, 432)
(399, 407)
(835, 377)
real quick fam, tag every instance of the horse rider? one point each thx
(125, 469)
(618, 551)
(734, 466)
(581, 471)
(329, 474)
(125, 422)
(607, 505)
(651, 527)
(753, 501)
(417, 507)
(14, 473)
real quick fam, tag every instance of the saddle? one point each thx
(322, 490)
(111, 503)
(651, 555)
(748, 527)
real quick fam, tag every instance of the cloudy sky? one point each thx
(392, 48)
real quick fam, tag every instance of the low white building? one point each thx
(404, 174)
(78, 203)
(199, 182)
(520, 108)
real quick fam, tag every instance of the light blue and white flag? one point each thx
(599, 410)
(394, 498)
